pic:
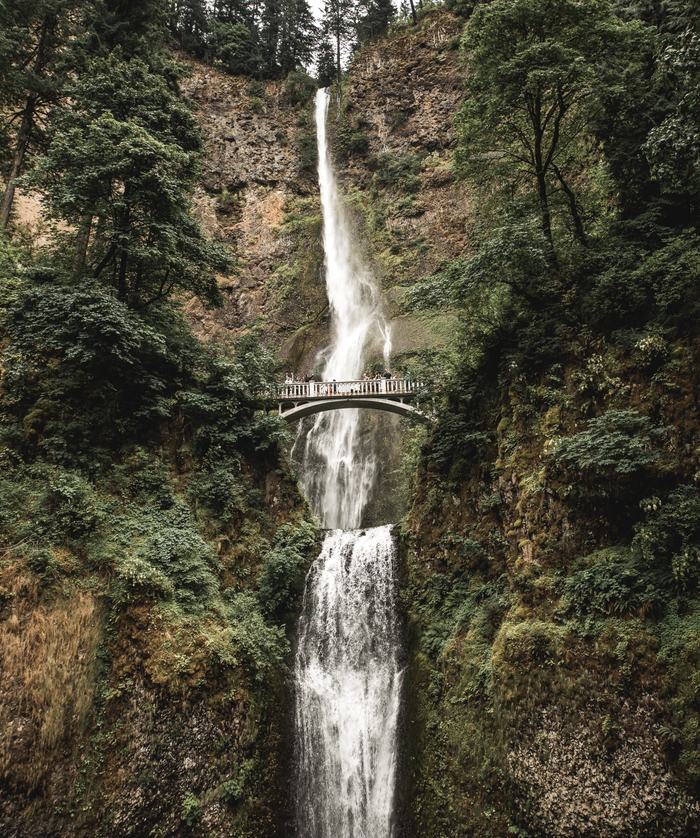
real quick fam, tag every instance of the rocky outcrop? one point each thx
(253, 176)
(393, 139)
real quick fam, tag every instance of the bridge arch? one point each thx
(299, 411)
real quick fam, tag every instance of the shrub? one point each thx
(614, 583)
(191, 810)
(528, 643)
(671, 534)
(398, 172)
(299, 87)
(620, 442)
(264, 646)
(71, 508)
(307, 151)
(282, 577)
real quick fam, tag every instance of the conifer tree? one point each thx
(325, 62)
(189, 25)
(373, 18)
(123, 154)
(338, 21)
(37, 36)
(298, 36)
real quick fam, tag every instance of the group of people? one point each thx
(311, 386)
(291, 378)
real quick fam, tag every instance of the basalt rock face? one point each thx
(258, 172)
(394, 140)
(393, 136)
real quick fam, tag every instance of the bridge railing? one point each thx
(299, 390)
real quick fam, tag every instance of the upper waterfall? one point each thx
(339, 490)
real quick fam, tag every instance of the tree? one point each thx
(338, 22)
(538, 72)
(325, 62)
(269, 36)
(373, 19)
(37, 36)
(189, 25)
(673, 147)
(298, 36)
(235, 48)
(123, 155)
(136, 27)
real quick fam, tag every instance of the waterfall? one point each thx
(338, 488)
(347, 674)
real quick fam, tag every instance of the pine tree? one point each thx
(298, 36)
(338, 21)
(123, 156)
(189, 25)
(373, 18)
(325, 62)
(37, 38)
(269, 36)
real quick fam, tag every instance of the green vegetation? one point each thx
(553, 546)
(152, 545)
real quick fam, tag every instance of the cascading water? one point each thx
(348, 678)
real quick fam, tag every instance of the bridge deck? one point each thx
(385, 388)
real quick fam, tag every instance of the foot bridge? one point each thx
(297, 399)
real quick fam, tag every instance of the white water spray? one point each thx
(340, 483)
(348, 679)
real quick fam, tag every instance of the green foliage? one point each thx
(281, 580)
(537, 75)
(673, 147)
(647, 273)
(263, 646)
(614, 582)
(620, 442)
(670, 534)
(123, 157)
(299, 87)
(397, 172)
(234, 48)
(307, 151)
(82, 368)
(191, 809)
(232, 791)
(530, 643)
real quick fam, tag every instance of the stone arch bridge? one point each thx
(297, 399)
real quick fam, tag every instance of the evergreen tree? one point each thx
(235, 48)
(123, 156)
(189, 25)
(373, 18)
(339, 23)
(298, 36)
(325, 62)
(136, 27)
(37, 37)
(269, 36)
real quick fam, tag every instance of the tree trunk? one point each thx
(81, 244)
(545, 213)
(414, 16)
(337, 56)
(535, 111)
(24, 135)
(579, 232)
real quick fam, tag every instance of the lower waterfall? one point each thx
(348, 688)
(347, 675)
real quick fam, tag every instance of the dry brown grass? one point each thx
(47, 672)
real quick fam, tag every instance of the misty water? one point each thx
(347, 673)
